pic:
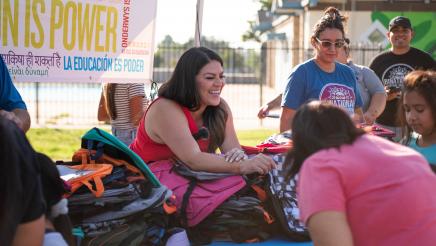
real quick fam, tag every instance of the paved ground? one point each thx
(244, 100)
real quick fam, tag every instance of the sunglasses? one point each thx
(328, 44)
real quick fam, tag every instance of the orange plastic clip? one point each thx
(169, 206)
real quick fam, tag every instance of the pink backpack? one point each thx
(204, 197)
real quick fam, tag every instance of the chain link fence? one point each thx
(251, 80)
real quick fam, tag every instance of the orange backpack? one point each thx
(78, 175)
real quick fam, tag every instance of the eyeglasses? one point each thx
(328, 44)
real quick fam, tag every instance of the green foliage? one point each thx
(250, 34)
(60, 144)
(266, 4)
(235, 60)
(163, 58)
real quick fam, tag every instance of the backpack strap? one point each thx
(97, 172)
(99, 150)
(185, 201)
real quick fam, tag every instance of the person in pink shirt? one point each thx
(358, 189)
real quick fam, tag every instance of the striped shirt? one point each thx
(123, 94)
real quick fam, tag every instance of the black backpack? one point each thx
(283, 201)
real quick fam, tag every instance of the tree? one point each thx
(252, 33)
(164, 58)
(235, 59)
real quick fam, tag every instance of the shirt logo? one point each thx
(394, 75)
(340, 95)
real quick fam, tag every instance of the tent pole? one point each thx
(198, 23)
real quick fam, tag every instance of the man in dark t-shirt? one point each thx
(393, 65)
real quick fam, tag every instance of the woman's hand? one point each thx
(263, 111)
(261, 164)
(235, 155)
(369, 117)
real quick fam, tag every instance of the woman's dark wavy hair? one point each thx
(316, 126)
(182, 88)
(424, 83)
(331, 19)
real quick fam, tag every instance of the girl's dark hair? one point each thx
(316, 126)
(424, 83)
(109, 100)
(347, 47)
(331, 19)
(182, 88)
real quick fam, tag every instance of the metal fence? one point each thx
(248, 85)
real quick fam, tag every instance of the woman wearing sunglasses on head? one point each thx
(322, 78)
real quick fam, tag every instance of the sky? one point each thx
(222, 19)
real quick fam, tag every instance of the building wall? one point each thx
(286, 53)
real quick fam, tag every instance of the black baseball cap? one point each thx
(400, 21)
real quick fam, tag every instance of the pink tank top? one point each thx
(151, 151)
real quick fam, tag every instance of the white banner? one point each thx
(78, 40)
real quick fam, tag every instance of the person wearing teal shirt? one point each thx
(429, 152)
(418, 116)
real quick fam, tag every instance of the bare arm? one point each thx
(136, 109)
(273, 104)
(376, 107)
(286, 118)
(18, 116)
(24, 118)
(358, 115)
(169, 126)
(330, 228)
(31, 233)
(102, 112)
(378, 95)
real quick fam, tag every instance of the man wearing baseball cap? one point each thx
(393, 65)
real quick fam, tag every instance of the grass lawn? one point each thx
(60, 144)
